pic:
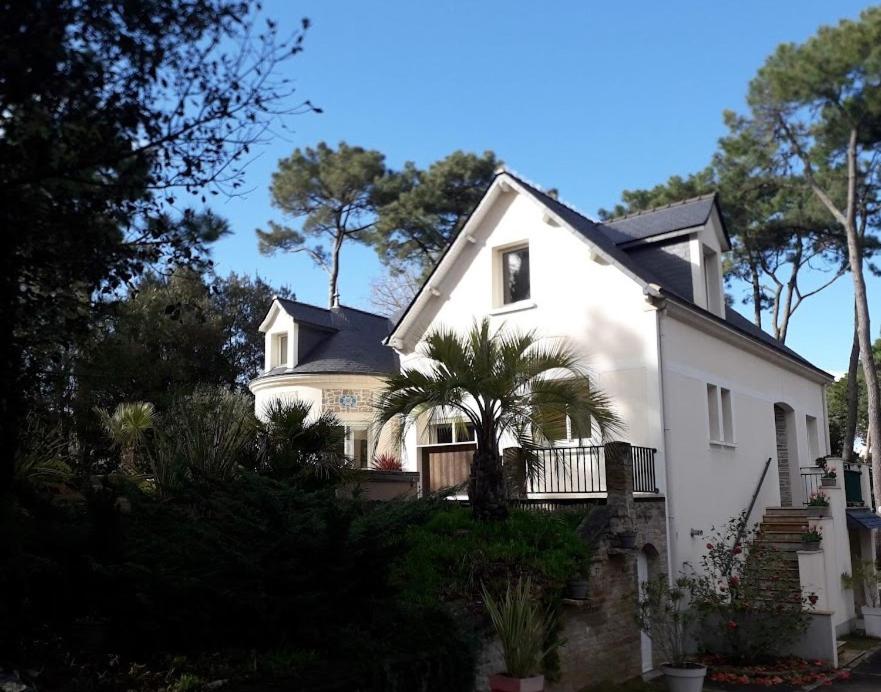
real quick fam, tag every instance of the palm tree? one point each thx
(293, 444)
(126, 428)
(502, 383)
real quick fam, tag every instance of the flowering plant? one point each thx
(818, 499)
(748, 608)
(662, 614)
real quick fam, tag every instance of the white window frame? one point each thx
(457, 425)
(498, 272)
(812, 431)
(721, 426)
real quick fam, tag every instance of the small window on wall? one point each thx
(813, 437)
(280, 355)
(561, 430)
(721, 414)
(515, 275)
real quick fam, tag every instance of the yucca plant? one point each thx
(522, 625)
(39, 459)
(127, 427)
(387, 462)
(502, 383)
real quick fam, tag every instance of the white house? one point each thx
(707, 397)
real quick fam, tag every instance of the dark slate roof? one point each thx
(353, 344)
(653, 268)
(667, 219)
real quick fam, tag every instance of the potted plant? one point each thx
(578, 585)
(663, 616)
(522, 626)
(867, 577)
(829, 477)
(811, 538)
(625, 539)
(818, 504)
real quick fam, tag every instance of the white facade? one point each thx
(662, 362)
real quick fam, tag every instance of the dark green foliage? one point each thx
(248, 564)
(451, 556)
(421, 210)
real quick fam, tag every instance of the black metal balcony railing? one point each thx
(582, 470)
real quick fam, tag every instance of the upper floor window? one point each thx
(515, 275)
(712, 281)
(279, 350)
(721, 414)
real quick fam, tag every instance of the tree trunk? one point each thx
(757, 295)
(333, 291)
(486, 485)
(864, 331)
(853, 395)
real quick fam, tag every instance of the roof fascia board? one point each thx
(706, 323)
(462, 239)
(660, 237)
(271, 315)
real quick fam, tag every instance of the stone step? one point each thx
(785, 511)
(783, 521)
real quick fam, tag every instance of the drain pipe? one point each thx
(653, 294)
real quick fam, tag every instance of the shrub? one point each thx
(662, 614)
(747, 608)
(387, 462)
(451, 556)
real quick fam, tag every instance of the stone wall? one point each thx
(348, 400)
(783, 456)
(602, 641)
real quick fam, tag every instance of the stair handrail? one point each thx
(741, 529)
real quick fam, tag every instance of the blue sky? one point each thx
(591, 98)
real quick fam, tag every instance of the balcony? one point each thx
(565, 472)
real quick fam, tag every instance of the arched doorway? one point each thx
(787, 454)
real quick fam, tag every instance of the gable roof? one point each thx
(618, 240)
(678, 216)
(348, 341)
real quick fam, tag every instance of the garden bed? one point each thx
(785, 673)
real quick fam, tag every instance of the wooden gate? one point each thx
(445, 466)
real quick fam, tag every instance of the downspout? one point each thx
(653, 294)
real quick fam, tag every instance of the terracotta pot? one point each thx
(872, 621)
(577, 588)
(689, 679)
(503, 683)
(818, 510)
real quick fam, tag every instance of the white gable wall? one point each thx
(712, 483)
(599, 309)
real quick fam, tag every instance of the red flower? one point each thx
(736, 550)
(731, 625)
(734, 581)
(709, 546)
(813, 599)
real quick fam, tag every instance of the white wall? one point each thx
(600, 310)
(714, 483)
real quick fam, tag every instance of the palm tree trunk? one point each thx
(486, 484)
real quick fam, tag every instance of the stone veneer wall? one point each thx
(330, 400)
(602, 639)
(783, 456)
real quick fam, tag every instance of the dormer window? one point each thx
(280, 350)
(515, 275)
(712, 280)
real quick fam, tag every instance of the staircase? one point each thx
(781, 529)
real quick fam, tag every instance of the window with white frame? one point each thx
(712, 281)
(560, 431)
(720, 410)
(515, 275)
(451, 432)
(279, 350)
(356, 443)
(813, 433)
